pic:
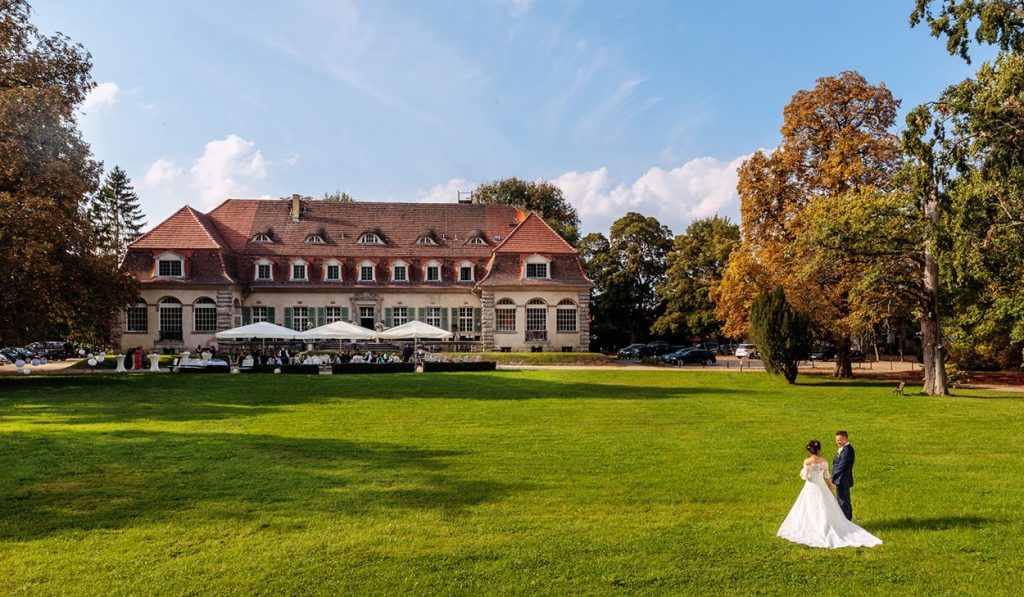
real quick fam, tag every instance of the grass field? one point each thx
(555, 482)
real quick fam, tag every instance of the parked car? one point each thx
(697, 355)
(727, 348)
(654, 349)
(630, 352)
(746, 351)
(672, 357)
(823, 354)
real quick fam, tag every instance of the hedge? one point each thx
(373, 368)
(431, 367)
(300, 369)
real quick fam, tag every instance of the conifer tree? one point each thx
(781, 333)
(115, 213)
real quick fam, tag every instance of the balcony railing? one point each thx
(170, 335)
(536, 335)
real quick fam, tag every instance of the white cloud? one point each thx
(445, 193)
(161, 173)
(227, 168)
(102, 95)
(698, 188)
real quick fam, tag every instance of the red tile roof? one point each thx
(534, 235)
(185, 229)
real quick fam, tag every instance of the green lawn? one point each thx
(557, 482)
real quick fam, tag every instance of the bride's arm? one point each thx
(828, 479)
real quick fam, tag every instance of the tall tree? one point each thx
(53, 281)
(695, 266)
(116, 214)
(632, 268)
(995, 22)
(836, 140)
(540, 196)
(781, 333)
(606, 328)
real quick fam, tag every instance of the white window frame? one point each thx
(536, 305)
(329, 264)
(315, 239)
(466, 321)
(405, 271)
(208, 304)
(169, 258)
(432, 316)
(426, 240)
(563, 307)
(370, 238)
(259, 313)
(305, 270)
(262, 237)
(270, 265)
(128, 327)
(333, 314)
(536, 260)
(307, 317)
(399, 316)
(472, 271)
(373, 271)
(503, 307)
(426, 272)
(477, 240)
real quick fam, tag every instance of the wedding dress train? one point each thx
(816, 519)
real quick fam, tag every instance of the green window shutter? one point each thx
(476, 319)
(246, 315)
(455, 318)
(288, 318)
(444, 319)
(421, 314)
(388, 316)
(321, 316)
(272, 318)
(344, 313)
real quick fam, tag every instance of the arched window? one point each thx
(536, 317)
(566, 317)
(536, 268)
(399, 271)
(315, 239)
(332, 271)
(204, 316)
(262, 237)
(505, 315)
(367, 271)
(170, 319)
(370, 239)
(477, 240)
(426, 240)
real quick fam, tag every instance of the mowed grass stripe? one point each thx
(497, 483)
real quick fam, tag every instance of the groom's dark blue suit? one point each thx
(842, 478)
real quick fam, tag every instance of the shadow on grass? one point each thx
(935, 523)
(56, 482)
(105, 399)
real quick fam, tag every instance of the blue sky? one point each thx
(642, 106)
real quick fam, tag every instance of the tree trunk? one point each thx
(932, 350)
(844, 368)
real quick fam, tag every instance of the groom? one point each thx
(842, 473)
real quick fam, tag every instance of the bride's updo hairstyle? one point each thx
(814, 447)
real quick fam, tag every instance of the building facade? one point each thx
(489, 273)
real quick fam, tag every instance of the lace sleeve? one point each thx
(805, 473)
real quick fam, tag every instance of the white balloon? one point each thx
(103, 355)
(90, 355)
(35, 362)
(19, 363)
(44, 361)
(81, 352)
(277, 370)
(26, 371)
(92, 362)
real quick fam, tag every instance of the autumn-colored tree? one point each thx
(695, 265)
(836, 140)
(540, 196)
(53, 281)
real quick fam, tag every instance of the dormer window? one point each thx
(465, 271)
(299, 269)
(537, 268)
(315, 239)
(400, 271)
(264, 270)
(262, 238)
(332, 271)
(370, 239)
(366, 271)
(477, 240)
(426, 240)
(432, 272)
(170, 265)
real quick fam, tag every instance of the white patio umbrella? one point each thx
(415, 331)
(338, 330)
(263, 330)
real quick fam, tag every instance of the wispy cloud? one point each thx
(101, 96)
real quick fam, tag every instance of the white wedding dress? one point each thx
(816, 519)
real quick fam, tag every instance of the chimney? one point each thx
(296, 207)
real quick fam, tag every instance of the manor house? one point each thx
(489, 273)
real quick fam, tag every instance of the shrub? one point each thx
(373, 368)
(780, 333)
(430, 367)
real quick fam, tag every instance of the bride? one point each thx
(816, 519)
